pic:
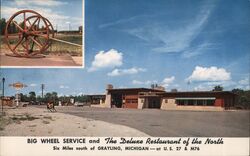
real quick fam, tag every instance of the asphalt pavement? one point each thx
(160, 123)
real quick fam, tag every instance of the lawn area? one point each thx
(56, 48)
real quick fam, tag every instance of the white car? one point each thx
(78, 104)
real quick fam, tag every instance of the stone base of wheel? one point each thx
(26, 56)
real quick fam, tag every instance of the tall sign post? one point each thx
(18, 86)
(42, 87)
(3, 80)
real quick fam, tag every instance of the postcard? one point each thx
(124, 77)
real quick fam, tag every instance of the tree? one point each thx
(47, 97)
(2, 26)
(54, 97)
(243, 98)
(81, 98)
(39, 99)
(153, 86)
(238, 91)
(218, 88)
(12, 28)
(174, 90)
(51, 97)
(32, 96)
(24, 97)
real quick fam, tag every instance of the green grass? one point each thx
(4, 121)
(57, 48)
(48, 117)
(23, 118)
(62, 48)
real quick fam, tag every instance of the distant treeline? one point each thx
(242, 101)
(51, 97)
(243, 98)
(12, 27)
(2, 26)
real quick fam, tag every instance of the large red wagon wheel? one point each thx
(40, 34)
(27, 34)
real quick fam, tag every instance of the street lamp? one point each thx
(3, 80)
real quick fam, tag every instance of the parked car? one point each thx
(79, 104)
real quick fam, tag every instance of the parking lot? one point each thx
(159, 123)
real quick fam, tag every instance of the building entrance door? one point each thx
(116, 100)
(154, 102)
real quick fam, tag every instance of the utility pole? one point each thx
(3, 80)
(42, 87)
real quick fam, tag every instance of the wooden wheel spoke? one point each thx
(38, 39)
(38, 24)
(44, 36)
(29, 22)
(24, 20)
(21, 29)
(39, 32)
(14, 34)
(30, 36)
(18, 43)
(27, 43)
(23, 45)
(35, 41)
(30, 25)
(33, 23)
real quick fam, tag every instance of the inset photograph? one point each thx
(42, 34)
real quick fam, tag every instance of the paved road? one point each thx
(161, 123)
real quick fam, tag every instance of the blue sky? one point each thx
(63, 14)
(188, 45)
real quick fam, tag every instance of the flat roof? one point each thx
(200, 93)
(164, 93)
(195, 98)
(187, 94)
(136, 89)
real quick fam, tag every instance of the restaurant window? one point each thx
(180, 102)
(190, 102)
(210, 102)
(199, 102)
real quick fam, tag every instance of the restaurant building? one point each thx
(140, 98)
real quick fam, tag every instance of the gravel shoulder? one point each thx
(31, 121)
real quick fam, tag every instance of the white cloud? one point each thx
(167, 81)
(122, 21)
(109, 59)
(208, 86)
(58, 19)
(209, 74)
(79, 94)
(198, 50)
(174, 39)
(244, 81)
(60, 94)
(130, 71)
(33, 85)
(63, 87)
(163, 37)
(202, 87)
